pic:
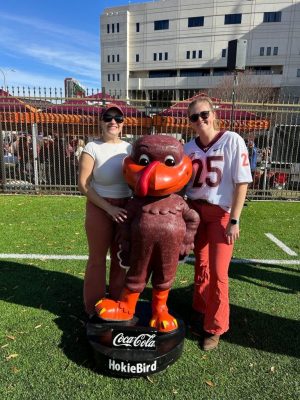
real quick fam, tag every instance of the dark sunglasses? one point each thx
(108, 118)
(202, 114)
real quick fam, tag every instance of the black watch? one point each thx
(234, 221)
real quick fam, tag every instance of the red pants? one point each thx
(213, 255)
(100, 231)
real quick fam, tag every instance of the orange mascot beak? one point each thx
(157, 179)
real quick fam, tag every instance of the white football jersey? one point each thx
(217, 168)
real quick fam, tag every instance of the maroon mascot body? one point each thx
(160, 227)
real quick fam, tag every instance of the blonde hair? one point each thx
(208, 100)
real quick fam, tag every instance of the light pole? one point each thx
(4, 76)
(4, 83)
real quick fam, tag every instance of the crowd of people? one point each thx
(216, 191)
(57, 158)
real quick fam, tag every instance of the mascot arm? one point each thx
(192, 221)
(123, 230)
(123, 240)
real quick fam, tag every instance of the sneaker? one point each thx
(196, 323)
(210, 342)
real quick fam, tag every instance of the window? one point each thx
(137, 58)
(232, 19)
(118, 27)
(162, 74)
(298, 73)
(118, 77)
(262, 70)
(112, 28)
(137, 27)
(269, 49)
(194, 72)
(188, 54)
(108, 59)
(113, 77)
(194, 54)
(108, 77)
(107, 28)
(220, 71)
(162, 24)
(195, 21)
(154, 56)
(224, 53)
(275, 51)
(199, 53)
(118, 57)
(113, 58)
(262, 51)
(166, 56)
(160, 56)
(272, 16)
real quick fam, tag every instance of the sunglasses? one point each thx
(203, 114)
(108, 118)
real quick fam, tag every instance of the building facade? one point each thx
(182, 45)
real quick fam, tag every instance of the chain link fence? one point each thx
(42, 134)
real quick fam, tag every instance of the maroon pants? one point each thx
(213, 255)
(100, 231)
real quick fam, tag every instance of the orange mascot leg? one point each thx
(122, 310)
(161, 319)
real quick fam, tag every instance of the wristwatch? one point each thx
(234, 221)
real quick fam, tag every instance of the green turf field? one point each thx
(43, 350)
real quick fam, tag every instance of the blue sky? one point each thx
(44, 41)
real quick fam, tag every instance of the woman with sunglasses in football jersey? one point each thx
(217, 191)
(101, 181)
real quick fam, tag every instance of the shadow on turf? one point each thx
(61, 294)
(272, 277)
(269, 276)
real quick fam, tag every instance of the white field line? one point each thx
(191, 259)
(256, 261)
(281, 245)
(42, 257)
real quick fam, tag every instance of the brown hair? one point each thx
(208, 100)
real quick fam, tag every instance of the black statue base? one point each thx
(133, 349)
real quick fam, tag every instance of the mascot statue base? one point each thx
(134, 349)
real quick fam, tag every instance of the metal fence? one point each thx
(42, 133)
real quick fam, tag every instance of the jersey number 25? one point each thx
(199, 180)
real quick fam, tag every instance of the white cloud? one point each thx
(86, 64)
(51, 49)
(22, 79)
(77, 36)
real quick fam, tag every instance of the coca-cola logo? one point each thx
(134, 340)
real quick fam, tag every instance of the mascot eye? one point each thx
(144, 160)
(170, 161)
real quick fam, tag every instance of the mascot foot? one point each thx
(164, 322)
(122, 310)
(161, 319)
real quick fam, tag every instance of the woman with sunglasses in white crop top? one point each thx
(101, 181)
(217, 191)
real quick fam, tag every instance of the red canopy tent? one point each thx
(92, 105)
(176, 118)
(9, 103)
(75, 115)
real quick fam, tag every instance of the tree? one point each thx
(249, 88)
